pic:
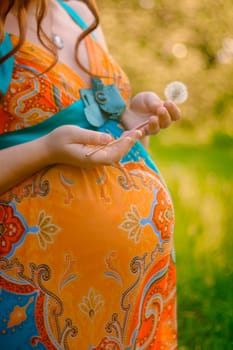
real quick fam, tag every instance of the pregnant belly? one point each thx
(73, 237)
(63, 207)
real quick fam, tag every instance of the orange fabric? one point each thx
(86, 255)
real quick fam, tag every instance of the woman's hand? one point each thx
(70, 145)
(148, 106)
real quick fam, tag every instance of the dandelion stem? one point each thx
(98, 148)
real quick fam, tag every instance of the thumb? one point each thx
(153, 102)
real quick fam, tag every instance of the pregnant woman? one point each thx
(86, 223)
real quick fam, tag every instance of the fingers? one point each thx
(161, 121)
(173, 110)
(75, 143)
(167, 113)
(154, 125)
(91, 137)
(164, 117)
(114, 151)
(85, 136)
(151, 127)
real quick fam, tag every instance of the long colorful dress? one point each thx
(86, 256)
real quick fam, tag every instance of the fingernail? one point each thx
(129, 139)
(162, 110)
(105, 138)
(134, 132)
(167, 103)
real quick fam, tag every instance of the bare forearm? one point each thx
(67, 144)
(19, 162)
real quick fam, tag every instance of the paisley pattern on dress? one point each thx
(26, 316)
(86, 255)
(12, 229)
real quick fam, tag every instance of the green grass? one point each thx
(200, 181)
(199, 176)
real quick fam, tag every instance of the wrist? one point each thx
(128, 119)
(45, 151)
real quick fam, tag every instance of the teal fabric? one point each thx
(74, 115)
(6, 68)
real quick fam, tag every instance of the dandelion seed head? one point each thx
(176, 92)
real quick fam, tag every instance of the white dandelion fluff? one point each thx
(176, 92)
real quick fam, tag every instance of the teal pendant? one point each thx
(102, 102)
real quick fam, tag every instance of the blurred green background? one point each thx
(156, 42)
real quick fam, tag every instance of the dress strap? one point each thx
(6, 68)
(74, 15)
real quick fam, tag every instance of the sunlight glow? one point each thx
(147, 4)
(179, 50)
(225, 54)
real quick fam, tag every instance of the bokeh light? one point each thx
(179, 50)
(147, 4)
(157, 42)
